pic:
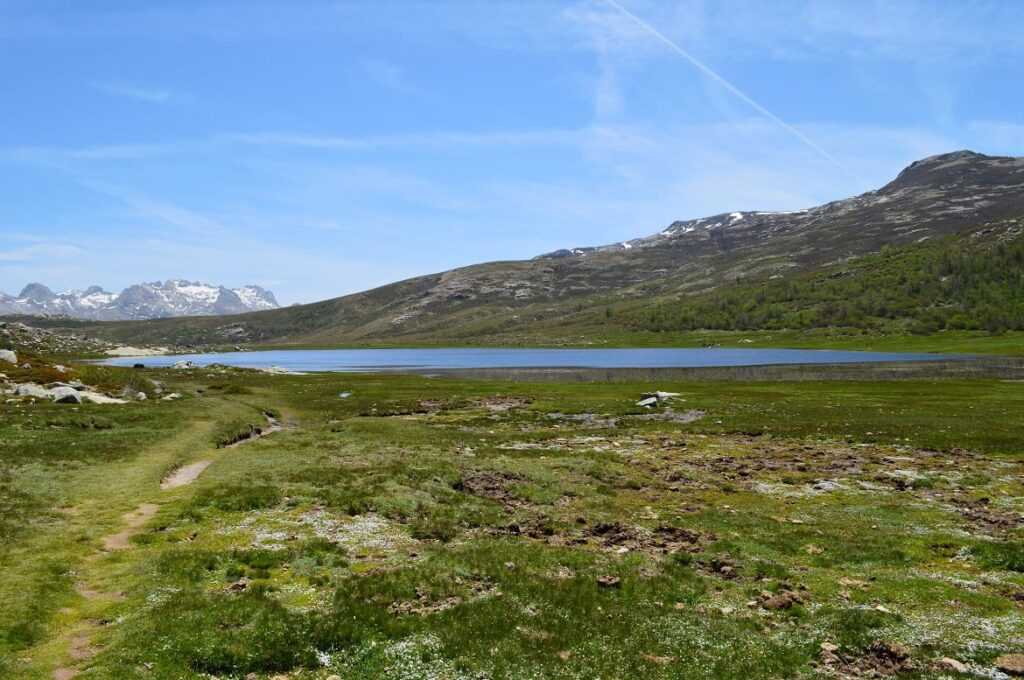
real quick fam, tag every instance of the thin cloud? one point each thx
(386, 73)
(715, 76)
(142, 94)
(422, 141)
(174, 215)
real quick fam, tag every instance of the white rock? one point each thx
(97, 398)
(650, 401)
(65, 395)
(31, 390)
(172, 396)
(141, 396)
(8, 356)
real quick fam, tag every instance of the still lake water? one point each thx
(486, 357)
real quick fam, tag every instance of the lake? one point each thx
(486, 357)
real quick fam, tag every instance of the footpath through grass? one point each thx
(442, 528)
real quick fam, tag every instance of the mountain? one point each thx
(600, 289)
(175, 297)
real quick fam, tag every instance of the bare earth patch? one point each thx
(134, 519)
(184, 475)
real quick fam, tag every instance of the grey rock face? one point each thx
(8, 356)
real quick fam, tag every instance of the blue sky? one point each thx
(320, 148)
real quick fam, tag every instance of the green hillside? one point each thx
(970, 281)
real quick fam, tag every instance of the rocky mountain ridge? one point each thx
(157, 300)
(588, 287)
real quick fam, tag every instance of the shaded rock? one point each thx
(66, 395)
(1011, 664)
(609, 581)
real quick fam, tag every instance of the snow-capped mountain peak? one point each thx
(174, 297)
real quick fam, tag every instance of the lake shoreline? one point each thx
(522, 359)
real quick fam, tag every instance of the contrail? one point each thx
(706, 70)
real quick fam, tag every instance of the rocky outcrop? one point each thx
(60, 393)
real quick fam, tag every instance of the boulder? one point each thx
(31, 390)
(949, 664)
(8, 356)
(660, 396)
(1011, 664)
(172, 396)
(66, 395)
(648, 402)
(140, 396)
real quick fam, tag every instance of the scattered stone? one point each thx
(609, 581)
(239, 585)
(777, 602)
(724, 565)
(1011, 664)
(564, 655)
(140, 396)
(948, 664)
(829, 647)
(172, 396)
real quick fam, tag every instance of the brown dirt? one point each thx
(492, 484)
(79, 650)
(882, 659)
(90, 594)
(184, 475)
(134, 520)
(613, 536)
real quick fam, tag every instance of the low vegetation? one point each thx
(463, 529)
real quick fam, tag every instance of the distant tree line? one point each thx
(950, 283)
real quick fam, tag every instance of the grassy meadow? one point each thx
(443, 528)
